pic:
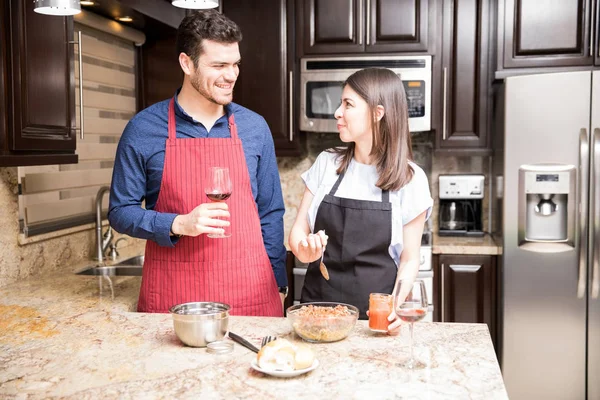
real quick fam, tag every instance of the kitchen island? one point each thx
(60, 338)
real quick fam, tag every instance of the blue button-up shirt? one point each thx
(139, 164)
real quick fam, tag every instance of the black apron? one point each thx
(357, 256)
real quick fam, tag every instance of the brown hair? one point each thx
(206, 24)
(392, 148)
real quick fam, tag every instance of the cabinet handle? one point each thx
(592, 20)
(360, 24)
(79, 44)
(442, 313)
(444, 104)
(291, 106)
(368, 22)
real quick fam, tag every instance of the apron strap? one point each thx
(233, 127)
(385, 194)
(172, 126)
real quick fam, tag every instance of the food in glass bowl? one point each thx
(322, 322)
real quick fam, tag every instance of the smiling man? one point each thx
(164, 158)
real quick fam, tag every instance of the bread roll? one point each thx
(282, 355)
(304, 357)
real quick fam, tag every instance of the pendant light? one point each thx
(56, 7)
(196, 4)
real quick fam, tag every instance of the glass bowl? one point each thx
(322, 322)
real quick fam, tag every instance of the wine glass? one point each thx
(218, 188)
(410, 305)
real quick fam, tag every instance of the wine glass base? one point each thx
(217, 236)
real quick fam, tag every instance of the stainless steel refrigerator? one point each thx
(550, 340)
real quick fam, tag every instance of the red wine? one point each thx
(412, 314)
(218, 196)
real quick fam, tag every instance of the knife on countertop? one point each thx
(240, 340)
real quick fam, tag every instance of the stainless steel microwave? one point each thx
(321, 88)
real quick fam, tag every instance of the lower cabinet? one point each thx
(466, 290)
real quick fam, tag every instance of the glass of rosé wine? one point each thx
(410, 305)
(218, 188)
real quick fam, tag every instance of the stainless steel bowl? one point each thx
(199, 323)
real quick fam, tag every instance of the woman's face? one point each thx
(353, 117)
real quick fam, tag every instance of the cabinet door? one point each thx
(333, 26)
(42, 81)
(467, 290)
(546, 33)
(465, 75)
(398, 25)
(266, 75)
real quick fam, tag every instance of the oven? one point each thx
(425, 273)
(322, 80)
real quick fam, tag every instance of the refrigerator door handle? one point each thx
(594, 243)
(584, 153)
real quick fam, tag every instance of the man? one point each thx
(164, 157)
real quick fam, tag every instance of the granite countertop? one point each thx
(59, 337)
(485, 245)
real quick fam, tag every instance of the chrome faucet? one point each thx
(102, 241)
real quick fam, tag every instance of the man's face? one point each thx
(216, 72)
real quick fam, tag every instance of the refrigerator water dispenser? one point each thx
(546, 207)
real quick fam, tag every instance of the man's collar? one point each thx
(181, 112)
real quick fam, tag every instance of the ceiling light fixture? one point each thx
(125, 19)
(87, 3)
(196, 4)
(57, 7)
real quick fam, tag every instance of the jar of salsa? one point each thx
(380, 307)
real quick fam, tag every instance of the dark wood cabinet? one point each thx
(548, 34)
(359, 26)
(465, 290)
(464, 76)
(267, 82)
(38, 116)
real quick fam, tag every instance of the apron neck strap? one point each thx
(385, 194)
(173, 126)
(233, 127)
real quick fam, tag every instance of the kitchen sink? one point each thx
(129, 267)
(137, 261)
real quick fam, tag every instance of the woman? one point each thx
(367, 202)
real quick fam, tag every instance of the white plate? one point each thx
(285, 374)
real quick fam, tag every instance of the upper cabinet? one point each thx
(267, 79)
(464, 77)
(533, 33)
(38, 82)
(359, 26)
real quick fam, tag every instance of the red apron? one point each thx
(235, 270)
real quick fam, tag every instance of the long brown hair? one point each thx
(392, 148)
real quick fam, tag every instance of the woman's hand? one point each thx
(311, 247)
(395, 324)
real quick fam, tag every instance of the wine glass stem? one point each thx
(411, 342)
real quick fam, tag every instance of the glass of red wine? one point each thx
(410, 305)
(218, 188)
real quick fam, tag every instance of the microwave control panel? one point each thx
(415, 98)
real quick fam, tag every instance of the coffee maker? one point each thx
(461, 205)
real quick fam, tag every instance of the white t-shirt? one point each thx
(359, 184)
